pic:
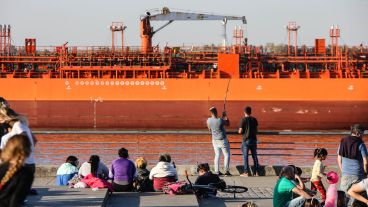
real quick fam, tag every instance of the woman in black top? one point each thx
(15, 179)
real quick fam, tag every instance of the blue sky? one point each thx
(86, 22)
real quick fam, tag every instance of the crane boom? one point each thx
(183, 16)
(166, 15)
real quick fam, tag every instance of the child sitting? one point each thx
(67, 170)
(141, 182)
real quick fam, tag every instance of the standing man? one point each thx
(352, 158)
(219, 140)
(249, 128)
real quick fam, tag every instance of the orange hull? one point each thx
(183, 103)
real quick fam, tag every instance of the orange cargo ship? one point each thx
(318, 88)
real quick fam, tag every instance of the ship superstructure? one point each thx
(148, 87)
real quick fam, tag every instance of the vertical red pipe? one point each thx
(332, 41)
(122, 41)
(9, 39)
(1, 39)
(288, 40)
(295, 42)
(112, 40)
(4, 39)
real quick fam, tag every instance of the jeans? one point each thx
(253, 149)
(224, 146)
(296, 202)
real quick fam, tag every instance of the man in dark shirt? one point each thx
(352, 158)
(249, 128)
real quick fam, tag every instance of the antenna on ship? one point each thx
(117, 27)
(292, 27)
(224, 40)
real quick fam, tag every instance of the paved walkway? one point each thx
(51, 195)
(63, 196)
(260, 191)
(151, 199)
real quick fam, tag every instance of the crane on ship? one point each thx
(165, 14)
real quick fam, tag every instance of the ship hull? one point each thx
(280, 104)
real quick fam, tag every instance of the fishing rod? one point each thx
(227, 90)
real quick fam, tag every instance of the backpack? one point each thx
(177, 188)
(142, 183)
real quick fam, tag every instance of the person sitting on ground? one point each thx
(122, 172)
(207, 177)
(141, 182)
(67, 170)
(356, 191)
(163, 172)
(94, 166)
(15, 178)
(284, 188)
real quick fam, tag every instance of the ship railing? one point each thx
(80, 50)
(204, 74)
(30, 74)
(305, 74)
(41, 51)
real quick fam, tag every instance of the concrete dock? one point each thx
(260, 191)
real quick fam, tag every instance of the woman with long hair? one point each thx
(15, 178)
(19, 125)
(95, 167)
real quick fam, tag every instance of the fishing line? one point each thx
(227, 90)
